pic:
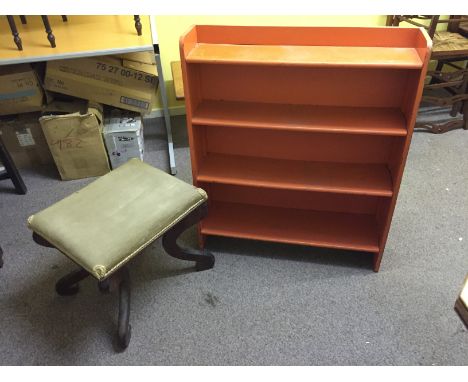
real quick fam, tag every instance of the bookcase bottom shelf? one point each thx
(350, 231)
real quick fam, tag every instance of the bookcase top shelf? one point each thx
(315, 56)
(374, 47)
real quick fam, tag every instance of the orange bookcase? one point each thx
(300, 134)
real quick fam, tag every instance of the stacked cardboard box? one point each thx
(123, 135)
(20, 91)
(74, 134)
(25, 141)
(116, 81)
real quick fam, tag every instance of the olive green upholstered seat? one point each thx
(105, 224)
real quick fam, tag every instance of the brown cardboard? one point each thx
(75, 141)
(25, 141)
(103, 79)
(20, 91)
(140, 66)
(66, 107)
(144, 57)
(142, 61)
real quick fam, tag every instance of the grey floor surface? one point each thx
(262, 303)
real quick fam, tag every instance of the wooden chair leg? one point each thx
(458, 107)
(23, 20)
(432, 26)
(11, 172)
(48, 30)
(138, 25)
(204, 260)
(439, 67)
(64, 19)
(14, 32)
(389, 20)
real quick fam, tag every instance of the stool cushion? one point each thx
(106, 223)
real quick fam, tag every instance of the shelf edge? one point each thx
(219, 232)
(210, 122)
(272, 185)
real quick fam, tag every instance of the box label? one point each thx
(25, 137)
(134, 102)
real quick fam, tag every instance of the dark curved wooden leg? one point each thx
(124, 332)
(138, 25)
(23, 20)
(120, 281)
(41, 241)
(48, 30)
(64, 18)
(14, 32)
(68, 285)
(204, 260)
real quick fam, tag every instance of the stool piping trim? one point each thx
(100, 276)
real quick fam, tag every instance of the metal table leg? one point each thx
(167, 117)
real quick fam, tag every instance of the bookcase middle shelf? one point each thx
(346, 178)
(333, 119)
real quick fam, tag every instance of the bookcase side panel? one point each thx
(409, 106)
(191, 81)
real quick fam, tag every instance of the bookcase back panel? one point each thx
(308, 86)
(321, 147)
(319, 36)
(305, 200)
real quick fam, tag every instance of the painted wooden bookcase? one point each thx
(300, 134)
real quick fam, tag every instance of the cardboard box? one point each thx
(75, 139)
(143, 57)
(25, 141)
(123, 135)
(20, 91)
(142, 61)
(103, 79)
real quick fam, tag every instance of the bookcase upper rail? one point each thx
(312, 46)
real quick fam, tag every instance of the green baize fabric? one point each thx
(106, 223)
